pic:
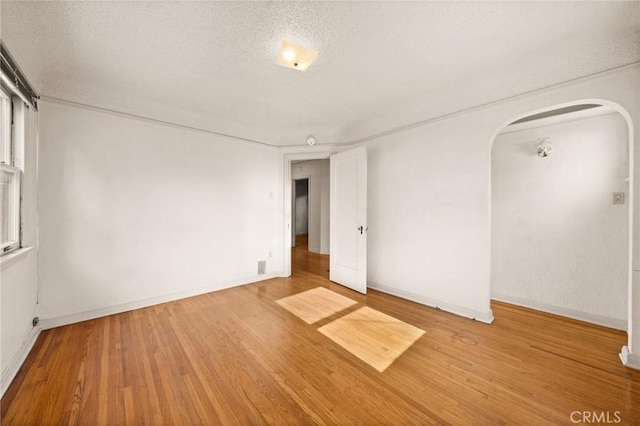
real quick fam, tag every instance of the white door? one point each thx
(348, 219)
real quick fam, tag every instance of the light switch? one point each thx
(618, 198)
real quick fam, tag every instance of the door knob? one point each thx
(361, 229)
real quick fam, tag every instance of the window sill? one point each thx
(13, 257)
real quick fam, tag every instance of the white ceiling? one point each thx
(382, 65)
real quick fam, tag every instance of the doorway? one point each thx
(561, 189)
(300, 213)
(337, 193)
(309, 232)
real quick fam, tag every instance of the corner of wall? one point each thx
(629, 359)
(13, 366)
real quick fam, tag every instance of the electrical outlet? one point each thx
(618, 198)
(262, 267)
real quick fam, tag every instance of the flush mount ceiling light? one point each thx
(295, 56)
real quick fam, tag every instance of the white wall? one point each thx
(318, 173)
(428, 201)
(133, 213)
(19, 276)
(429, 197)
(558, 242)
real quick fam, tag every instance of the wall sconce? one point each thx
(544, 147)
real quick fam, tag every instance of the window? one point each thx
(10, 174)
(16, 95)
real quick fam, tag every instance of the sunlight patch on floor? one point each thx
(316, 304)
(376, 338)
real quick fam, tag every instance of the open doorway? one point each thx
(342, 184)
(310, 216)
(300, 213)
(560, 214)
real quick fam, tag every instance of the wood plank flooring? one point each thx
(315, 304)
(376, 338)
(237, 357)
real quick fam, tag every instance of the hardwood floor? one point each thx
(236, 356)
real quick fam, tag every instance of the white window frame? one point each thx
(13, 187)
(10, 164)
(6, 137)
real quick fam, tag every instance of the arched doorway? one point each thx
(555, 202)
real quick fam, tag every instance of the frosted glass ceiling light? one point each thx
(295, 56)
(289, 54)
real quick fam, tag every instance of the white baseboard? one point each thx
(47, 323)
(565, 312)
(486, 317)
(629, 359)
(12, 368)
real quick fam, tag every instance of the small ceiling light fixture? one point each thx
(311, 140)
(295, 56)
(544, 147)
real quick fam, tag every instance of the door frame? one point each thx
(288, 200)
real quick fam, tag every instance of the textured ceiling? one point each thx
(382, 65)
